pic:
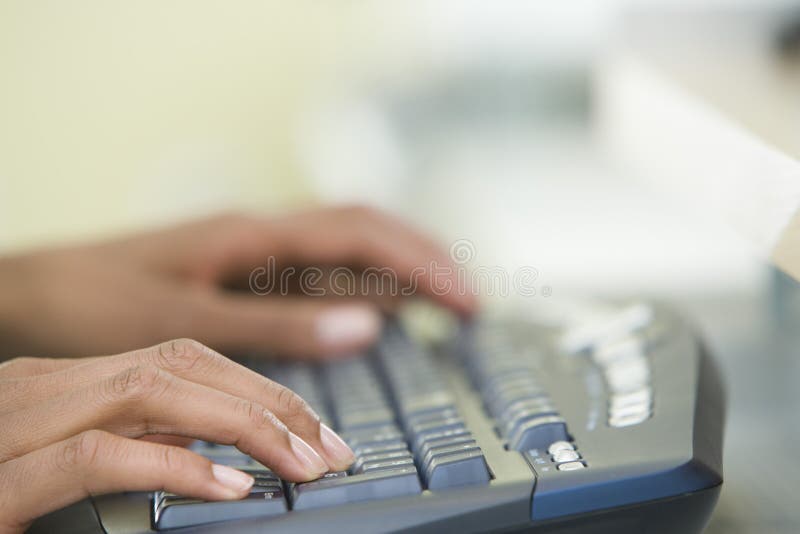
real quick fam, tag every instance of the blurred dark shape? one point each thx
(787, 38)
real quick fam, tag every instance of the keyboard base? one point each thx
(687, 514)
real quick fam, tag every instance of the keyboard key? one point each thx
(538, 404)
(360, 401)
(266, 498)
(628, 375)
(239, 460)
(223, 454)
(446, 450)
(447, 471)
(373, 436)
(640, 396)
(502, 402)
(566, 456)
(436, 425)
(521, 416)
(301, 378)
(393, 463)
(371, 458)
(629, 410)
(379, 484)
(356, 419)
(628, 347)
(420, 440)
(368, 450)
(604, 330)
(538, 433)
(262, 475)
(516, 374)
(560, 446)
(444, 442)
(434, 415)
(571, 466)
(427, 402)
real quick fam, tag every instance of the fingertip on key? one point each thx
(235, 483)
(348, 326)
(312, 463)
(336, 448)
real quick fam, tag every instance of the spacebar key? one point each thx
(380, 484)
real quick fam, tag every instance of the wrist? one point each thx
(13, 303)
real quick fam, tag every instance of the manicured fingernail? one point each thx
(336, 447)
(312, 461)
(348, 325)
(232, 478)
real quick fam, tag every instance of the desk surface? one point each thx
(761, 363)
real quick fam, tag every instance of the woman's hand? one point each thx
(69, 428)
(181, 282)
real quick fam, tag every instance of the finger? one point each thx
(368, 238)
(165, 439)
(192, 361)
(230, 246)
(292, 326)
(340, 285)
(146, 400)
(96, 462)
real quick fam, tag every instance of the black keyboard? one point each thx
(613, 425)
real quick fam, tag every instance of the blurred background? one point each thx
(479, 122)
(525, 127)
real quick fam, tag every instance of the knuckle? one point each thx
(181, 354)
(174, 460)
(81, 451)
(251, 410)
(291, 404)
(258, 416)
(137, 382)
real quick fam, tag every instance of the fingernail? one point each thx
(336, 447)
(348, 325)
(232, 479)
(307, 456)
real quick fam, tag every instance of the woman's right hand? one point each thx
(70, 428)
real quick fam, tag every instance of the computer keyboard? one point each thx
(612, 425)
